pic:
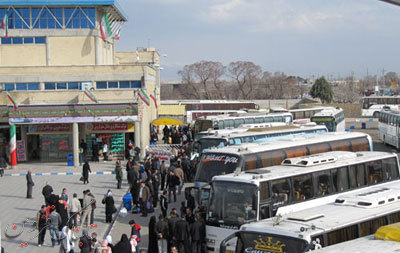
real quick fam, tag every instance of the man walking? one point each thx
(86, 209)
(172, 182)
(54, 222)
(41, 222)
(118, 173)
(179, 173)
(47, 191)
(182, 235)
(197, 231)
(163, 172)
(143, 197)
(30, 184)
(74, 208)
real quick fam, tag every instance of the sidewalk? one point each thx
(61, 167)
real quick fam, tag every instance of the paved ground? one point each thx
(15, 208)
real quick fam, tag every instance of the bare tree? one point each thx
(217, 71)
(189, 88)
(246, 75)
(348, 91)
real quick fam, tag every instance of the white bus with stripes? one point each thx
(297, 184)
(372, 105)
(258, 155)
(389, 127)
(332, 118)
(255, 135)
(352, 215)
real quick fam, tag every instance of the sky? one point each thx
(333, 38)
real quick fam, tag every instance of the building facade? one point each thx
(62, 81)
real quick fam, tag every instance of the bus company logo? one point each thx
(220, 158)
(269, 246)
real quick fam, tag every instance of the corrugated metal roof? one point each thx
(177, 110)
(112, 3)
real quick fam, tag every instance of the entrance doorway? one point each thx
(33, 147)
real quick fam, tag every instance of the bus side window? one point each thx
(271, 158)
(361, 175)
(340, 179)
(264, 212)
(221, 124)
(249, 120)
(259, 120)
(340, 145)
(359, 144)
(370, 227)
(318, 148)
(296, 152)
(281, 191)
(268, 119)
(238, 140)
(374, 170)
(390, 169)
(343, 235)
(250, 162)
(239, 122)
(303, 187)
(353, 176)
(323, 183)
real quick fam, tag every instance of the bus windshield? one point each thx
(329, 122)
(261, 242)
(215, 164)
(232, 204)
(209, 143)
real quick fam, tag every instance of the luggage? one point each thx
(127, 199)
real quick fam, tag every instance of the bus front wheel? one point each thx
(376, 114)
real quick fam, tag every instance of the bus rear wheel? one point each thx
(376, 114)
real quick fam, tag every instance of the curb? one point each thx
(59, 174)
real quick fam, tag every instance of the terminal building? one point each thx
(62, 81)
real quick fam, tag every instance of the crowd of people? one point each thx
(152, 183)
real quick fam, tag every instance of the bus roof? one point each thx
(326, 112)
(238, 115)
(364, 244)
(248, 148)
(327, 160)
(263, 131)
(358, 206)
(373, 96)
(206, 102)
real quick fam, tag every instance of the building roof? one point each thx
(115, 6)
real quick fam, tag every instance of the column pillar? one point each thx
(75, 146)
(137, 134)
(13, 146)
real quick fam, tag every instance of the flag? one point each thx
(12, 100)
(4, 24)
(90, 95)
(105, 27)
(143, 96)
(116, 35)
(154, 98)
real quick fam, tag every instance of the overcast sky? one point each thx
(298, 37)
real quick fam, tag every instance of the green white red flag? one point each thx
(91, 96)
(15, 104)
(144, 97)
(4, 25)
(154, 98)
(105, 27)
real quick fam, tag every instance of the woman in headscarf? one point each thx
(67, 240)
(123, 246)
(85, 172)
(110, 207)
(105, 248)
(153, 235)
(61, 208)
(85, 242)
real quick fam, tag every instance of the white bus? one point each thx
(351, 216)
(297, 184)
(255, 135)
(372, 105)
(389, 127)
(332, 118)
(258, 155)
(234, 121)
(304, 115)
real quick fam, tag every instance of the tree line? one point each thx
(246, 80)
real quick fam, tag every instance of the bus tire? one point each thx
(376, 114)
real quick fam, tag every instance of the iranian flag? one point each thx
(4, 24)
(154, 98)
(144, 97)
(90, 95)
(105, 27)
(15, 104)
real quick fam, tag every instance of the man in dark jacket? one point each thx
(163, 234)
(143, 196)
(172, 182)
(3, 165)
(30, 184)
(182, 235)
(41, 224)
(197, 232)
(172, 219)
(132, 176)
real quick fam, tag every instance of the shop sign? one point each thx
(49, 128)
(54, 120)
(105, 127)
